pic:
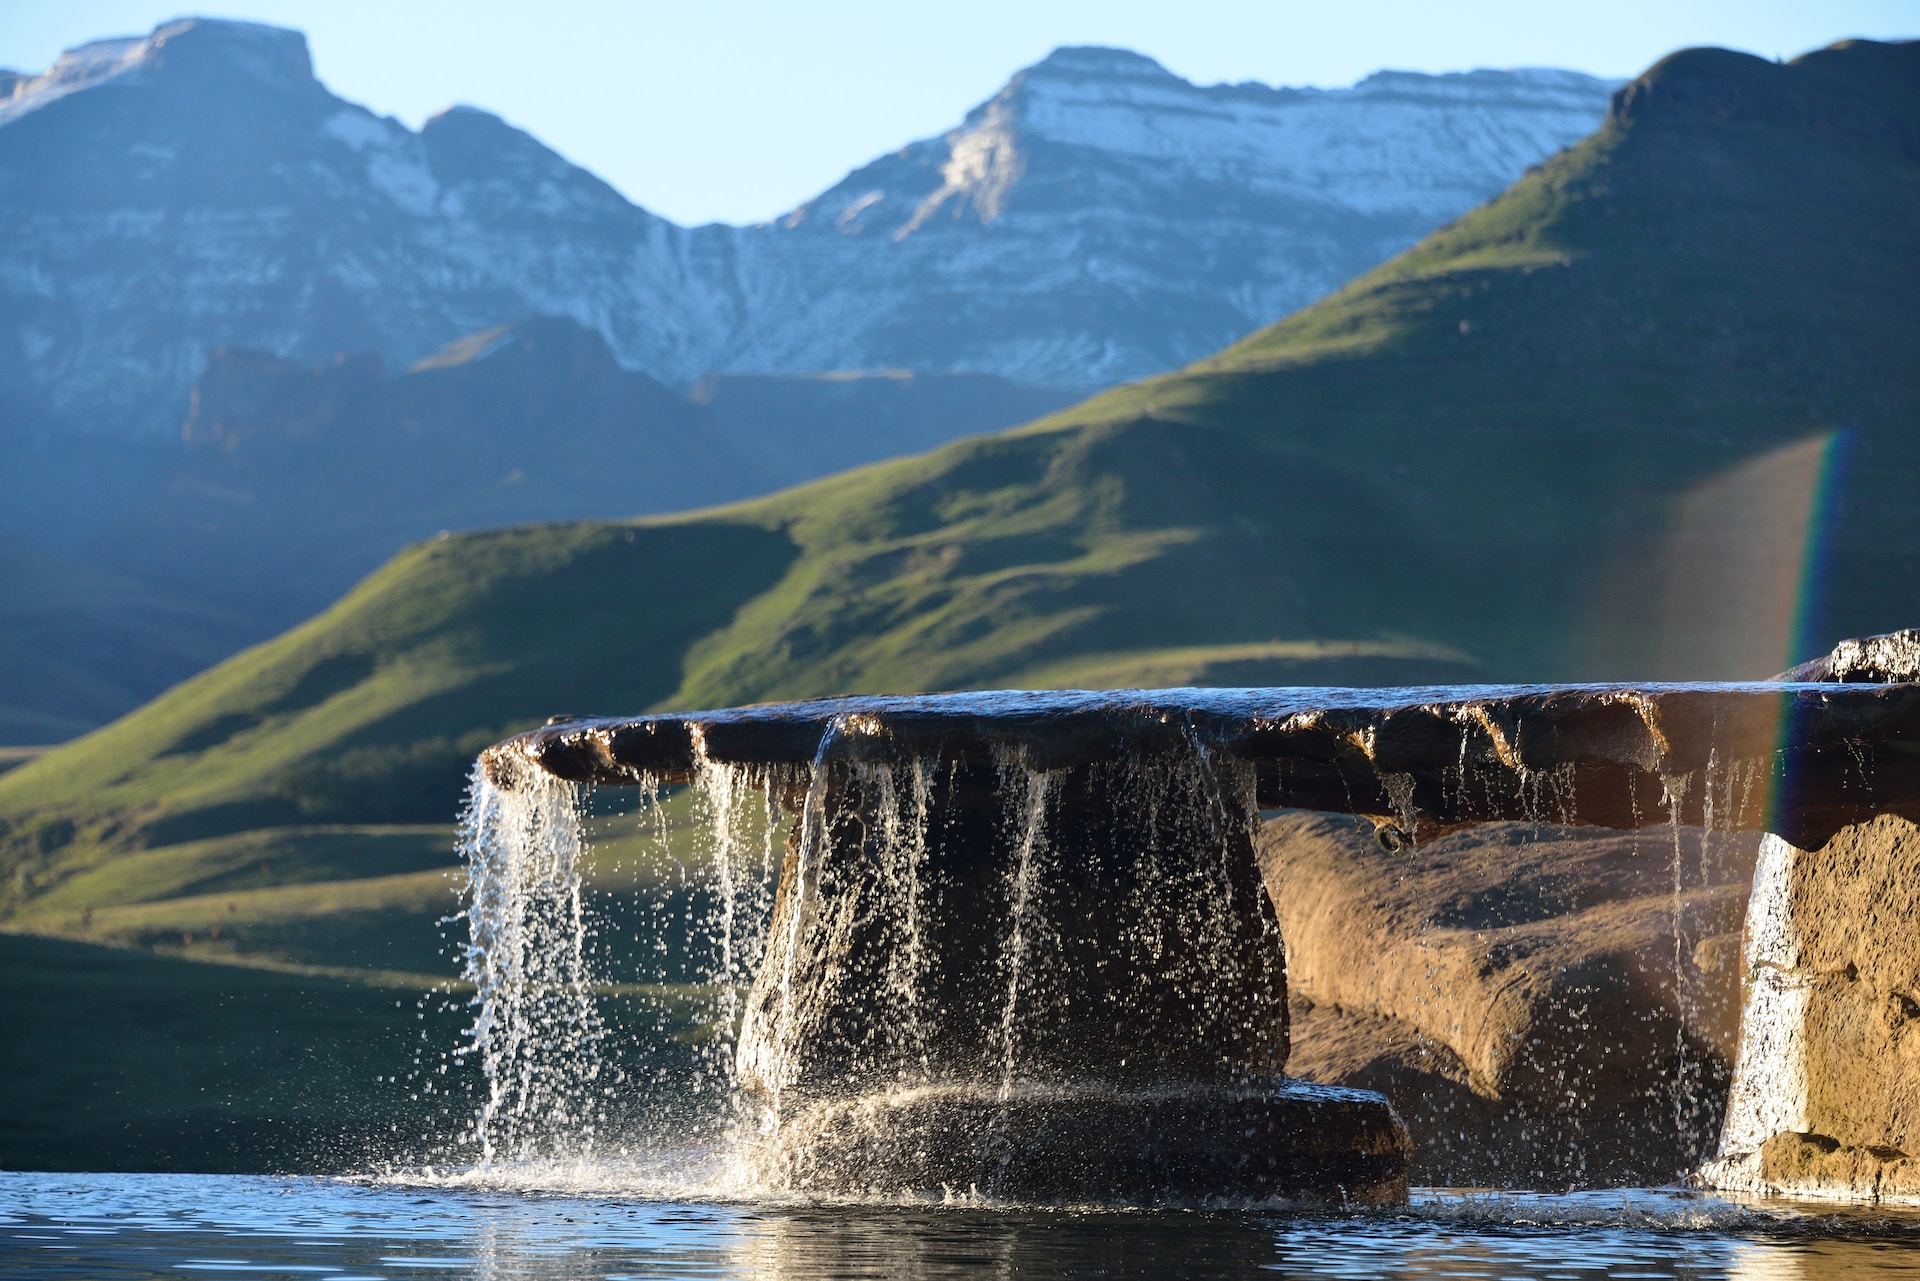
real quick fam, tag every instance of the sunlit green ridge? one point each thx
(1462, 466)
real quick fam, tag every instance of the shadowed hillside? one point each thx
(296, 480)
(79, 643)
(290, 482)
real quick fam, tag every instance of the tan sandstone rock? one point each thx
(1827, 1101)
(1542, 1004)
(1816, 1165)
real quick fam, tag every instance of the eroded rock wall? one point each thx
(1544, 1005)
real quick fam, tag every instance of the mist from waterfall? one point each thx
(529, 956)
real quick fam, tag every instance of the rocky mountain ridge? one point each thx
(1098, 219)
(179, 200)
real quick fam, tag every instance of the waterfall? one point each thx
(905, 822)
(857, 865)
(1025, 791)
(1769, 1091)
(916, 895)
(734, 872)
(1684, 1089)
(888, 853)
(762, 1051)
(528, 956)
(997, 917)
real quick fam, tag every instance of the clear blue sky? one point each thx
(736, 110)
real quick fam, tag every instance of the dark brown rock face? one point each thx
(1820, 1166)
(1856, 907)
(1544, 1005)
(1769, 756)
(1300, 1142)
(988, 924)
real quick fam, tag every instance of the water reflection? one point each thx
(139, 1226)
(939, 1245)
(1826, 1260)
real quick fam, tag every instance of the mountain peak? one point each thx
(194, 46)
(1098, 218)
(462, 113)
(1099, 60)
(1705, 87)
(273, 54)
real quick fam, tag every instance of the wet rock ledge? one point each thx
(1802, 758)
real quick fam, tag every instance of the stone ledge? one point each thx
(1312, 1143)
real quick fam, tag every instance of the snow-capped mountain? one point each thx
(199, 188)
(1101, 218)
(1098, 219)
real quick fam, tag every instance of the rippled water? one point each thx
(149, 1225)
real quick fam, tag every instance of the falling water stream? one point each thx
(1769, 1094)
(536, 1030)
(1026, 820)
(537, 960)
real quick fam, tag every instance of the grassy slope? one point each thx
(289, 1027)
(1468, 445)
(375, 707)
(1447, 459)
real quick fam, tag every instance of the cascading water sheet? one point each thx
(1769, 1091)
(531, 963)
(737, 813)
(1025, 791)
(529, 957)
(915, 896)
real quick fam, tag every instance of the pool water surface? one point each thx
(213, 1226)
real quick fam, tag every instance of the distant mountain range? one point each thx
(256, 338)
(1098, 219)
(295, 479)
(1475, 462)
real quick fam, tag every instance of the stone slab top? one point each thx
(1672, 726)
(1612, 753)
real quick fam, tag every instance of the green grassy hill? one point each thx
(1477, 462)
